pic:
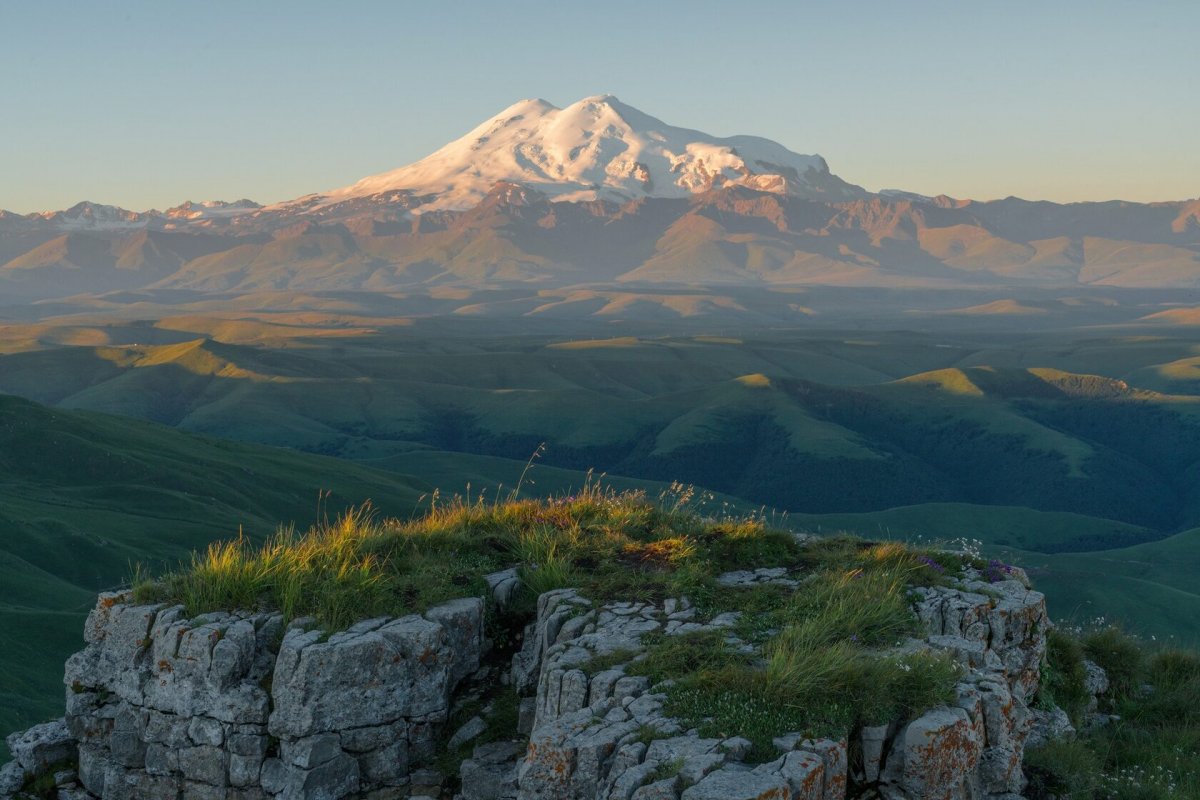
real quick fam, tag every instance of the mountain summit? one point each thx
(597, 148)
(601, 193)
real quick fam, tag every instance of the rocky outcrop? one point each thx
(37, 751)
(974, 748)
(603, 735)
(237, 706)
(243, 707)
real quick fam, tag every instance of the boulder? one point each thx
(41, 746)
(491, 772)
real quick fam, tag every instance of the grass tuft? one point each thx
(608, 543)
(1151, 749)
(1064, 676)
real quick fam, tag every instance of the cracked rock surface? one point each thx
(241, 707)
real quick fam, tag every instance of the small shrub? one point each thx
(598, 664)
(905, 687)
(1174, 697)
(1119, 654)
(1174, 669)
(43, 786)
(747, 544)
(738, 703)
(1064, 676)
(1152, 751)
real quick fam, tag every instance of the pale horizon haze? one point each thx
(148, 104)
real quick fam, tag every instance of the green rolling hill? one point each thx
(83, 496)
(817, 425)
(1073, 453)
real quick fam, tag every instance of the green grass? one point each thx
(83, 495)
(822, 665)
(1063, 677)
(610, 544)
(1152, 751)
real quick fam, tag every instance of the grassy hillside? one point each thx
(1088, 567)
(1068, 450)
(84, 495)
(817, 424)
(1150, 588)
(1011, 527)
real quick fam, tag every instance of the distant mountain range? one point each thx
(601, 193)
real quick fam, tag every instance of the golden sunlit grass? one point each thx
(358, 565)
(820, 647)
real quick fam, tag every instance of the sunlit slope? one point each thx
(745, 417)
(1078, 561)
(1041, 438)
(84, 495)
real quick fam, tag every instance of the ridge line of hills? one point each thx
(602, 193)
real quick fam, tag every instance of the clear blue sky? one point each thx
(147, 104)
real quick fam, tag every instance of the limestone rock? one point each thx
(42, 745)
(159, 705)
(1096, 679)
(665, 789)
(462, 621)
(319, 685)
(491, 772)
(12, 778)
(730, 785)
(1048, 726)
(471, 729)
(503, 585)
(935, 755)
(805, 774)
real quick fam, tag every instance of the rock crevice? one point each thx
(243, 707)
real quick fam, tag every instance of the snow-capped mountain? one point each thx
(599, 193)
(597, 148)
(99, 218)
(210, 209)
(88, 216)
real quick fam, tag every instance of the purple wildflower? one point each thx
(998, 571)
(933, 565)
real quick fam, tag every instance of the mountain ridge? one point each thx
(600, 192)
